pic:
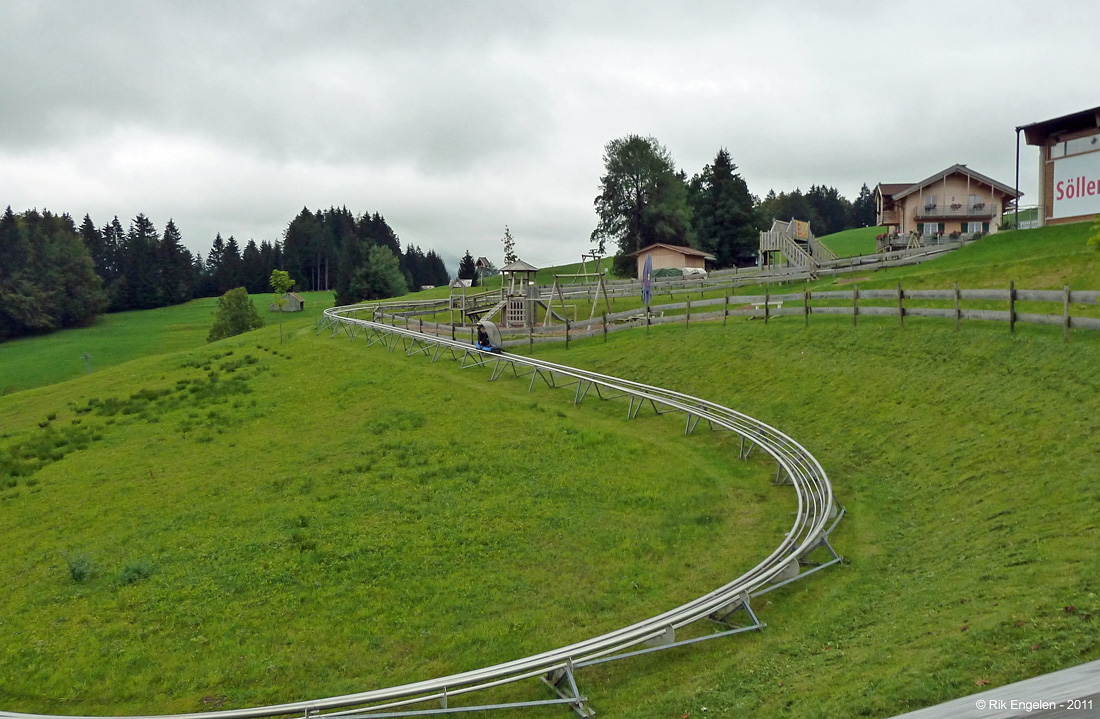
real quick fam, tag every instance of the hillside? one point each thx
(247, 522)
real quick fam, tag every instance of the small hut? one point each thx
(294, 303)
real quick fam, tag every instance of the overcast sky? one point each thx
(453, 119)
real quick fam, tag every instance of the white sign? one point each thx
(1077, 185)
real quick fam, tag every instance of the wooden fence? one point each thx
(856, 303)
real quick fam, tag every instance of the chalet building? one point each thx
(954, 200)
(672, 256)
(1069, 166)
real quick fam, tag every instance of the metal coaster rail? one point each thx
(816, 515)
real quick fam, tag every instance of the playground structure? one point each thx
(794, 241)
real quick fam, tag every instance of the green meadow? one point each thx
(217, 526)
(123, 336)
(851, 243)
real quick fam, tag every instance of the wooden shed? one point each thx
(294, 303)
(672, 256)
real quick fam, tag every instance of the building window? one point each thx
(930, 228)
(973, 227)
(929, 202)
(976, 202)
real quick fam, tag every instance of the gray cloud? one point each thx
(454, 119)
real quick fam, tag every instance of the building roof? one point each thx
(482, 262)
(1037, 132)
(962, 169)
(889, 189)
(296, 296)
(691, 251)
(519, 266)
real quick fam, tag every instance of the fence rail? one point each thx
(853, 303)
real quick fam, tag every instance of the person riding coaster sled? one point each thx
(488, 338)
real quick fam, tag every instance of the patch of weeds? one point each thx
(81, 568)
(135, 572)
(302, 541)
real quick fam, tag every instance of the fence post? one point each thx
(855, 305)
(530, 336)
(901, 309)
(1012, 305)
(958, 310)
(806, 305)
(726, 309)
(421, 325)
(766, 304)
(605, 327)
(452, 331)
(566, 333)
(647, 319)
(1065, 313)
(687, 317)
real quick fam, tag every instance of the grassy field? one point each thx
(123, 336)
(248, 522)
(850, 243)
(1043, 258)
(256, 522)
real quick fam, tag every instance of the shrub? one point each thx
(80, 568)
(135, 572)
(236, 314)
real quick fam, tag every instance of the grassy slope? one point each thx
(319, 517)
(967, 479)
(967, 464)
(849, 243)
(123, 336)
(1044, 258)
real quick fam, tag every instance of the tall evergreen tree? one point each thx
(467, 268)
(723, 212)
(863, 208)
(176, 276)
(139, 266)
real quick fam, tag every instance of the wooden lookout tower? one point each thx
(520, 293)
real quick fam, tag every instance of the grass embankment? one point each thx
(252, 522)
(967, 464)
(123, 336)
(282, 532)
(851, 243)
(1044, 258)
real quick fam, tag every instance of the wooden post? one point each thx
(765, 304)
(421, 325)
(605, 327)
(566, 333)
(530, 336)
(452, 331)
(726, 309)
(1012, 306)
(1065, 313)
(958, 310)
(855, 305)
(687, 317)
(647, 319)
(806, 305)
(901, 309)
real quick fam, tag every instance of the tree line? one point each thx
(644, 199)
(54, 274)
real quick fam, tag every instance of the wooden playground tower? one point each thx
(796, 243)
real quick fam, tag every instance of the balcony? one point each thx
(890, 217)
(979, 211)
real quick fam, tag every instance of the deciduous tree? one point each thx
(235, 315)
(642, 199)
